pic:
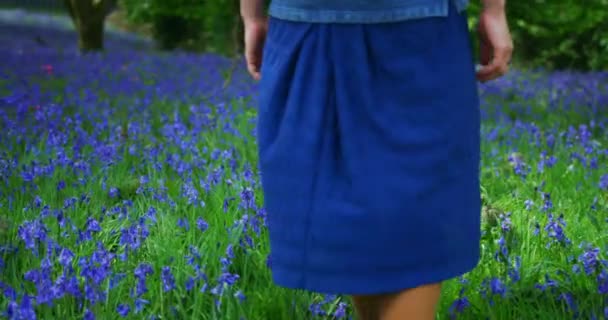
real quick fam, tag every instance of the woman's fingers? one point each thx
(255, 36)
(496, 45)
(498, 66)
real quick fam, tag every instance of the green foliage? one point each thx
(565, 34)
(188, 24)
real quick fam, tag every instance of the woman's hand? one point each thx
(495, 42)
(255, 36)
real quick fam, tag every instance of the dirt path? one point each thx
(116, 25)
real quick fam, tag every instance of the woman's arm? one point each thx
(256, 26)
(495, 41)
(252, 10)
(494, 5)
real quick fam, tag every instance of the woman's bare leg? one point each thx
(413, 304)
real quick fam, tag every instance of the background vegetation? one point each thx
(552, 35)
(558, 34)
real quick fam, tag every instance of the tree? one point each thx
(89, 18)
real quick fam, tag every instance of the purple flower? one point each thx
(317, 309)
(247, 198)
(88, 315)
(458, 306)
(114, 192)
(32, 233)
(547, 203)
(60, 185)
(140, 304)
(8, 291)
(505, 222)
(589, 259)
(555, 231)
(239, 295)
(190, 283)
(497, 287)
(190, 193)
(201, 224)
(25, 310)
(569, 300)
(123, 310)
(602, 282)
(514, 270)
(603, 184)
(93, 225)
(183, 223)
(340, 312)
(168, 279)
(228, 278)
(549, 283)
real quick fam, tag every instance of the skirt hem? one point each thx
(382, 283)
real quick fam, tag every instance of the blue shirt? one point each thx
(360, 11)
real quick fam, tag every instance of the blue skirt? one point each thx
(369, 138)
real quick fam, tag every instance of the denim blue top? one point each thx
(360, 11)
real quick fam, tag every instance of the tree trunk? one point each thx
(89, 17)
(90, 36)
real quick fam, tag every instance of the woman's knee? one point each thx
(418, 303)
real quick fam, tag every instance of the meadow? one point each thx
(129, 188)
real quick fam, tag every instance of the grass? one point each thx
(125, 189)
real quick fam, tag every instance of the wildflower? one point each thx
(140, 304)
(514, 270)
(123, 310)
(602, 280)
(201, 224)
(168, 279)
(32, 233)
(340, 312)
(183, 223)
(141, 272)
(497, 287)
(505, 222)
(65, 257)
(549, 283)
(458, 306)
(114, 192)
(603, 184)
(239, 295)
(569, 300)
(228, 278)
(25, 310)
(589, 260)
(88, 315)
(247, 198)
(547, 203)
(555, 230)
(317, 309)
(190, 283)
(92, 225)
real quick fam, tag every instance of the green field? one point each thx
(129, 188)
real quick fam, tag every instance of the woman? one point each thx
(369, 142)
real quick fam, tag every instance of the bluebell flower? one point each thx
(340, 312)
(167, 279)
(123, 310)
(589, 260)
